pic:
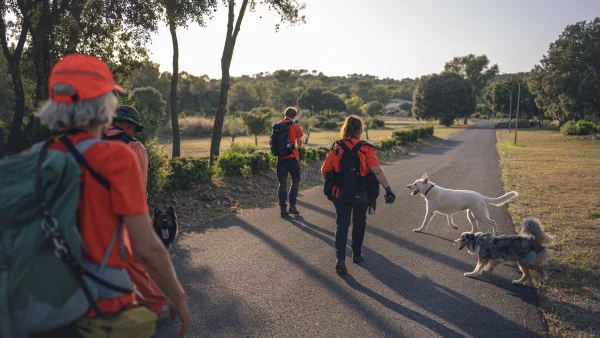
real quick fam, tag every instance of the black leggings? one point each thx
(344, 213)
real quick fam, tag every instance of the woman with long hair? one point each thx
(355, 208)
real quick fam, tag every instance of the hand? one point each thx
(389, 196)
(178, 308)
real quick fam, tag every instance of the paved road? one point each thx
(256, 275)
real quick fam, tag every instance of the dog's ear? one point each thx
(426, 179)
(424, 176)
(157, 211)
(171, 211)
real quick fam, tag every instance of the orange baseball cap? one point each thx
(87, 75)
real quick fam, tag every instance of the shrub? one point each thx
(414, 134)
(260, 161)
(580, 127)
(158, 167)
(484, 117)
(242, 148)
(377, 123)
(501, 115)
(196, 126)
(187, 171)
(322, 153)
(302, 153)
(233, 164)
(476, 115)
(387, 144)
(322, 119)
(423, 132)
(523, 123)
(330, 125)
(401, 136)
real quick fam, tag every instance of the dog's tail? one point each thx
(498, 201)
(532, 227)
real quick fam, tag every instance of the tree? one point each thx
(149, 103)
(445, 97)
(257, 122)
(145, 76)
(566, 81)
(178, 13)
(474, 68)
(288, 10)
(242, 98)
(382, 93)
(498, 98)
(22, 20)
(353, 105)
(373, 108)
(233, 128)
(319, 100)
(307, 126)
(363, 89)
(405, 106)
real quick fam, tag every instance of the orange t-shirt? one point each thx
(140, 151)
(366, 156)
(99, 209)
(294, 132)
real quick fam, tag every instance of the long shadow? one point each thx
(227, 314)
(440, 301)
(424, 293)
(310, 270)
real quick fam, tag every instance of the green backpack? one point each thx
(44, 282)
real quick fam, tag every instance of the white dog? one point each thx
(448, 202)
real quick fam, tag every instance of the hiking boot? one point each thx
(358, 258)
(284, 212)
(293, 210)
(340, 267)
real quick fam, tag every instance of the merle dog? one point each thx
(165, 225)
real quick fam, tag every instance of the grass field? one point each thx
(558, 179)
(201, 145)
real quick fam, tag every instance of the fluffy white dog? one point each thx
(449, 202)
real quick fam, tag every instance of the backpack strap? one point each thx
(77, 153)
(122, 136)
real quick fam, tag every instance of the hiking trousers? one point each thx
(345, 212)
(285, 167)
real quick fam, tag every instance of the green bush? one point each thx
(322, 119)
(187, 171)
(260, 161)
(401, 136)
(233, 164)
(330, 125)
(376, 124)
(580, 127)
(158, 167)
(501, 115)
(476, 115)
(322, 153)
(414, 134)
(242, 148)
(523, 123)
(387, 144)
(302, 153)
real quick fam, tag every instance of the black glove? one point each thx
(389, 196)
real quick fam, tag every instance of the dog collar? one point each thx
(425, 194)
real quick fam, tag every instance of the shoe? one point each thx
(284, 212)
(358, 259)
(340, 267)
(293, 210)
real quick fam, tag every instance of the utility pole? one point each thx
(509, 106)
(517, 120)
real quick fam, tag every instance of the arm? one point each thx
(153, 255)
(299, 141)
(378, 172)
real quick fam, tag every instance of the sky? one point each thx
(385, 38)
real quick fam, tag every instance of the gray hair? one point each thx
(65, 116)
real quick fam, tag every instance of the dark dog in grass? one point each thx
(165, 225)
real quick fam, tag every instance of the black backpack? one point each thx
(348, 185)
(281, 145)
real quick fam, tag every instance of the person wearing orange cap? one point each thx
(82, 105)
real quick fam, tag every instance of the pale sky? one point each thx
(386, 38)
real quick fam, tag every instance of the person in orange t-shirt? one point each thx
(290, 165)
(82, 105)
(124, 126)
(355, 211)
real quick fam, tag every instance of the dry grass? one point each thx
(558, 179)
(193, 146)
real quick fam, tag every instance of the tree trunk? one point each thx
(466, 117)
(174, 79)
(256, 140)
(15, 142)
(307, 137)
(232, 34)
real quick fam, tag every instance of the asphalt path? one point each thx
(257, 275)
